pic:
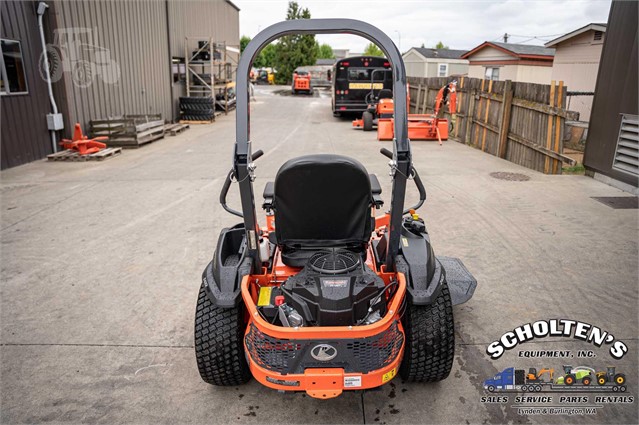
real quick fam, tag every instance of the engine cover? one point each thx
(335, 288)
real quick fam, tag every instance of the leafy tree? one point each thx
(372, 50)
(325, 52)
(423, 45)
(266, 57)
(244, 41)
(440, 45)
(294, 50)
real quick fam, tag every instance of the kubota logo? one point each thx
(324, 352)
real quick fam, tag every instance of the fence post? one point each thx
(471, 113)
(549, 130)
(506, 109)
(556, 166)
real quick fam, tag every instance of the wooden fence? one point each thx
(520, 122)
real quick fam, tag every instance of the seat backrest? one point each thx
(322, 201)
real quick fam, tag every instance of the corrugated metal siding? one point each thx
(196, 18)
(616, 91)
(135, 35)
(24, 135)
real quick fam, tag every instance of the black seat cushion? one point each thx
(322, 201)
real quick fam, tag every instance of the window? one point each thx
(492, 74)
(442, 70)
(178, 66)
(13, 78)
(364, 74)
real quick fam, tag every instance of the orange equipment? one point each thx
(82, 144)
(534, 376)
(424, 126)
(302, 82)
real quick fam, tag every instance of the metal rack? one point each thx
(221, 70)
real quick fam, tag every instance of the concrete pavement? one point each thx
(101, 266)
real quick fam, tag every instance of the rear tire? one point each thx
(586, 380)
(569, 379)
(430, 340)
(367, 117)
(219, 345)
(620, 379)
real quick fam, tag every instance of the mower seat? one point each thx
(321, 201)
(376, 190)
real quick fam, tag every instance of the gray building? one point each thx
(108, 58)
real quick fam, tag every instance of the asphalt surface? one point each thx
(101, 266)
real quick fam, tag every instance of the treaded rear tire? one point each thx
(430, 340)
(367, 119)
(219, 346)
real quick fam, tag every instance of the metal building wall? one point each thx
(135, 35)
(200, 18)
(24, 136)
(616, 90)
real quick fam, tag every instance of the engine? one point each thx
(335, 288)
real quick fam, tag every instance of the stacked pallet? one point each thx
(129, 131)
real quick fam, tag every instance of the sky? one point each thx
(458, 24)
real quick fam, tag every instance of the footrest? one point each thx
(324, 383)
(461, 283)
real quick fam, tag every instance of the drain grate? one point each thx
(513, 177)
(619, 202)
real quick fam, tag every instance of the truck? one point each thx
(516, 380)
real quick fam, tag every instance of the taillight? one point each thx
(342, 108)
(345, 63)
(346, 92)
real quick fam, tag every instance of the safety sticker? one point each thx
(265, 296)
(352, 381)
(389, 375)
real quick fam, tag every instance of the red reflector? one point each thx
(346, 92)
(279, 300)
(342, 108)
(345, 63)
(386, 64)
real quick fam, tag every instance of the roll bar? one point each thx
(242, 163)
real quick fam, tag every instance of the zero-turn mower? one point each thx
(326, 297)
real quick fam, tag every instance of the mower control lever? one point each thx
(257, 154)
(416, 179)
(227, 185)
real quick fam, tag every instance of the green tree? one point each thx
(244, 41)
(325, 52)
(266, 57)
(440, 45)
(423, 45)
(294, 50)
(372, 50)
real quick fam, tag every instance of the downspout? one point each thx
(42, 7)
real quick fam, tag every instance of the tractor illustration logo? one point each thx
(573, 379)
(324, 352)
(74, 51)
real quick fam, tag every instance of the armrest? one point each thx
(268, 194)
(376, 191)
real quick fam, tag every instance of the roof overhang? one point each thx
(508, 52)
(593, 27)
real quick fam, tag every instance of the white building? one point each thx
(576, 63)
(423, 62)
(507, 61)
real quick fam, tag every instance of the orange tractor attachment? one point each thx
(82, 144)
(420, 126)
